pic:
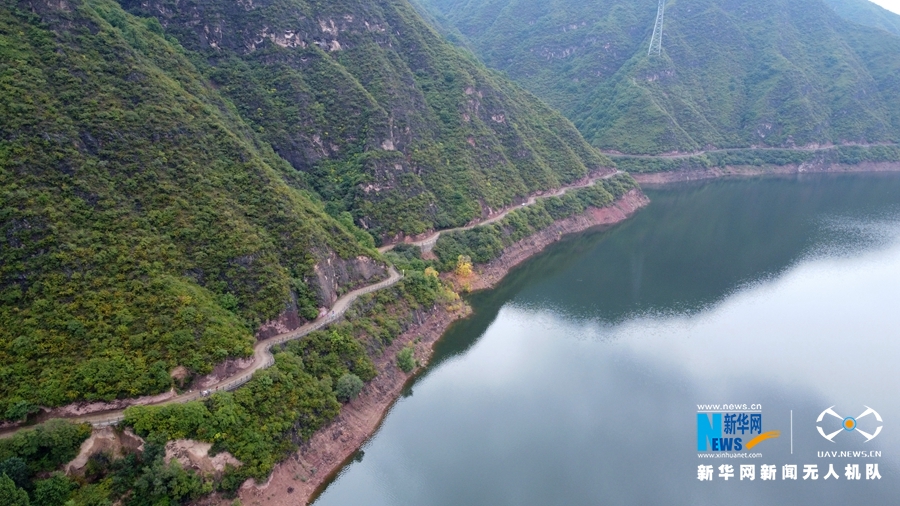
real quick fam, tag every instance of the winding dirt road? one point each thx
(427, 243)
(262, 357)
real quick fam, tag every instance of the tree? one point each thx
(348, 387)
(19, 410)
(54, 491)
(15, 469)
(463, 266)
(405, 360)
(10, 494)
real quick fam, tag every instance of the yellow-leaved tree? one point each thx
(463, 266)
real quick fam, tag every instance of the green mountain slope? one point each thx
(772, 73)
(866, 13)
(142, 225)
(169, 183)
(387, 120)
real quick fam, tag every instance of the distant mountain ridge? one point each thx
(770, 73)
(867, 13)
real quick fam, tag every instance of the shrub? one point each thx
(405, 360)
(348, 387)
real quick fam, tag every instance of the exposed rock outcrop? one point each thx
(195, 455)
(332, 277)
(335, 276)
(106, 440)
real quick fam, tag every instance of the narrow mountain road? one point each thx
(262, 357)
(427, 243)
(676, 156)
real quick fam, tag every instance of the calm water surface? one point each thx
(577, 380)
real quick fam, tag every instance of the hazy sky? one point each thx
(891, 5)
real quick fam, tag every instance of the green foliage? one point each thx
(161, 483)
(10, 494)
(259, 423)
(406, 257)
(53, 491)
(485, 243)
(46, 447)
(263, 421)
(34, 453)
(769, 73)
(14, 468)
(92, 494)
(405, 359)
(348, 387)
(332, 353)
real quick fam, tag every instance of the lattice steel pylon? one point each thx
(656, 39)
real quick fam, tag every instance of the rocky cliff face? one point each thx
(335, 276)
(331, 278)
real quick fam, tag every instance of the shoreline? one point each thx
(303, 476)
(664, 178)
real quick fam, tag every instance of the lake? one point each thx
(578, 380)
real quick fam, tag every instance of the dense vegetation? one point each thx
(263, 421)
(383, 118)
(732, 74)
(485, 243)
(28, 458)
(259, 423)
(30, 463)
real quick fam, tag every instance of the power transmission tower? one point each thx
(656, 39)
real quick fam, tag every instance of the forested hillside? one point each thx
(386, 120)
(732, 73)
(174, 174)
(143, 226)
(171, 181)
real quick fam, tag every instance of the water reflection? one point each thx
(577, 380)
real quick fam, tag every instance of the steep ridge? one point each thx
(386, 120)
(732, 74)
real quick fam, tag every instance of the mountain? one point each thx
(731, 74)
(143, 225)
(172, 178)
(867, 13)
(387, 120)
